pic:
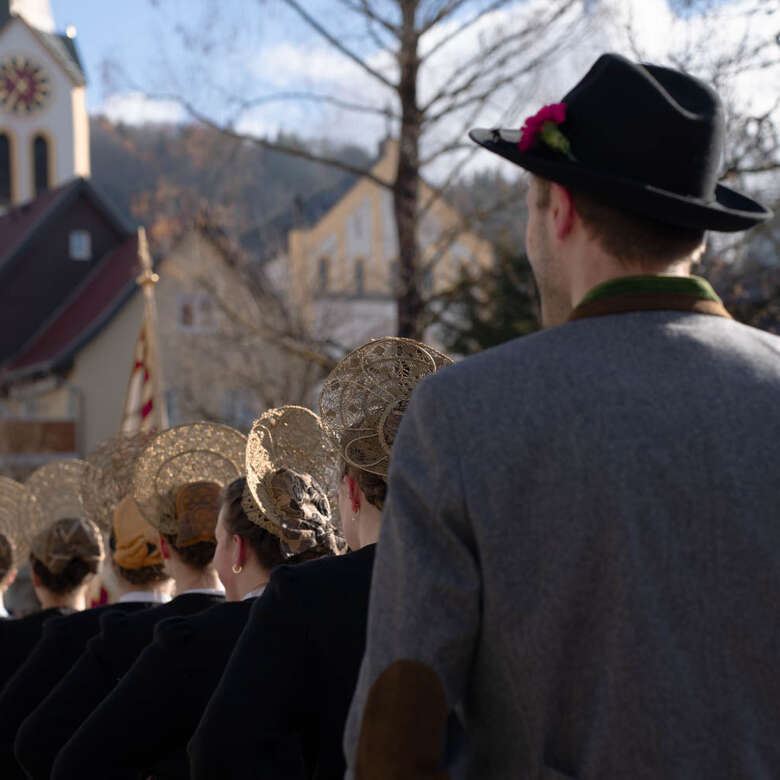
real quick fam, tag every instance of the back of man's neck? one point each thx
(601, 267)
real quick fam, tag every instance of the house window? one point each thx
(359, 277)
(324, 274)
(41, 163)
(197, 313)
(6, 184)
(80, 245)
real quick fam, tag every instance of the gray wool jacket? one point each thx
(580, 554)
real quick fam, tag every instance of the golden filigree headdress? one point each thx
(290, 469)
(55, 521)
(13, 544)
(106, 493)
(365, 396)
(110, 476)
(179, 474)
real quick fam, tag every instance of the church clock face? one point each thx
(24, 85)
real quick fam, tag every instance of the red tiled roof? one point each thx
(87, 309)
(19, 222)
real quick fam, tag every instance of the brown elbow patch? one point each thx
(402, 733)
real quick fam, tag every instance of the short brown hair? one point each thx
(74, 574)
(628, 237)
(374, 486)
(196, 556)
(264, 544)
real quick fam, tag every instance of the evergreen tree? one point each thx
(482, 312)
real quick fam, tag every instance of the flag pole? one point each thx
(147, 279)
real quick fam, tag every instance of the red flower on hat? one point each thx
(544, 126)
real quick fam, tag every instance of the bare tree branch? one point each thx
(494, 6)
(337, 44)
(348, 105)
(490, 60)
(273, 145)
(363, 7)
(447, 9)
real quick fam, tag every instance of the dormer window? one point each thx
(80, 245)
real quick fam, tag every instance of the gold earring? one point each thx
(237, 569)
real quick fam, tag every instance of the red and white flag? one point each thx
(144, 408)
(139, 403)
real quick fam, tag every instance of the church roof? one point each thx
(42, 327)
(62, 48)
(81, 317)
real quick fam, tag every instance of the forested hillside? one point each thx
(163, 175)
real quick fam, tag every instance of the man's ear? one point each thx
(165, 550)
(562, 210)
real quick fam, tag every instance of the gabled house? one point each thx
(342, 270)
(69, 319)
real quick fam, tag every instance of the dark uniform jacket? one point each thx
(280, 708)
(61, 643)
(175, 675)
(18, 637)
(105, 660)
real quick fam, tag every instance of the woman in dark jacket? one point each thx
(65, 551)
(280, 708)
(178, 672)
(142, 583)
(177, 483)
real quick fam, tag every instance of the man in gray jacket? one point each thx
(578, 573)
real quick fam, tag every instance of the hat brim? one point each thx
(728, 212)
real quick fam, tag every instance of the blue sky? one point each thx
(251, 48)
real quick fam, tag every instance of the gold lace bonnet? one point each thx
(290, 469)
(365, 396)
(110, 476)
(13, 544)
(106, 493)
(184, 467)
(55, 522)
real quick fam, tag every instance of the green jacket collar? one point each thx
(650, 293)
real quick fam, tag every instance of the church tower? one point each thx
(44, 130)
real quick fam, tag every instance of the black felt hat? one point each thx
(645, 138)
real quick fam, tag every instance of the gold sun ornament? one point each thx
(55, 522)
(17, 550)
(109, 478)
(292, 479)
(184, 455)
(365, 396)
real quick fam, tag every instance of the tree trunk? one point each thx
(409, 303)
